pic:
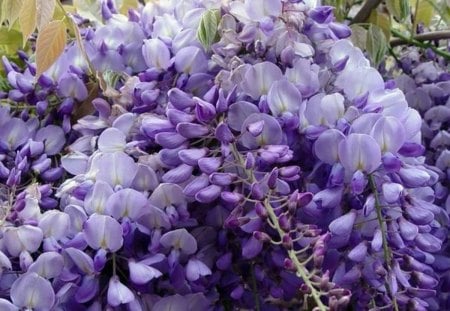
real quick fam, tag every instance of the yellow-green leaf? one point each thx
(49, 45)
(359, 36)
(376, 44)
(10, 37)
(44, 12)
(382, 20)
(27, 19)
(11, 10)
(89, 9)
(128, 4)
(425, 11)
(207, 28)
(398, 8)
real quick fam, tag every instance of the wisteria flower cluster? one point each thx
(272, 169)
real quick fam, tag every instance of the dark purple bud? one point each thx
(322, 14)
(340, 30)
(208, 194)
(261, 210)
(262, 236)
(272, 179)
(179, 174)
(204, 111)
(257, 191)
(251, 248)
(232, 198)
(52, 174)
(176, 116)
(209, 165)
(222, 179)
(48, 203)
(192, 130)
(191, 156)
(359, 252)
(289, 265)
(285, 222)
(66, 106)
(24, 84)
(100, 260)
(358, 182)
(287, 241)
(424, 280)
(197, 184)
(410, 149)
(16, 95)
(237, 293)
(4, 171)
(249, 160)
(224, 261)
(391, 163)
(223, 133)
(180, 99)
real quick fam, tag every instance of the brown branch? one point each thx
(364, 13)
(429, 36)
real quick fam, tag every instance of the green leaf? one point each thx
(49, 45)
(425, 11)
(10, 11)
(27, 19)
(44, 12)
(89, 9)
(376, 44)
(10, 37)
(398, 8)
(382, 20)
(359, 36)
(207, 29)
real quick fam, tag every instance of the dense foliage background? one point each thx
(224, 155)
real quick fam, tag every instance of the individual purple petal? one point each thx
(209, 165)
(204, 111)
(377, 241)
(48, 265)
(180, 99)
(145, 178)
(408, 230)
(326, 146)
(270, 135)
(181, 240)
(391, 192)
(190, 60)
(75, 163)
(174, 302)
(196, 269)
(53, 138)
(259, 78)
(178, 175)
(70, 85)
(116, 168)
(118, 293)
(283, 97)
(95, 200)
(359, 252)
(304, 76)
(238, 112)
(153, 124)
(419, 215)
(156, 54)
(208, 194)
(103, 231)
(6, 305)
(192, 155)
(170, 139)
(389, 134)
(88, 289)
(13, 134)
(359, 152)
(111, 140)
(192, 130)
(24, 238)
(413, 177)
(251, 248)
(359, 81)
(32, 292)
(54, 223)
(197, 184)
(141, 273)
(428, 242)
(126, 203)
(343, 225)
(83, 261)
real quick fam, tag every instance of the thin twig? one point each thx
(364, 13)
(410, 41)
(429, 36)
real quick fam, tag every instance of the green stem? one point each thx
(420, 44)
(300, 269)
(386, 250)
